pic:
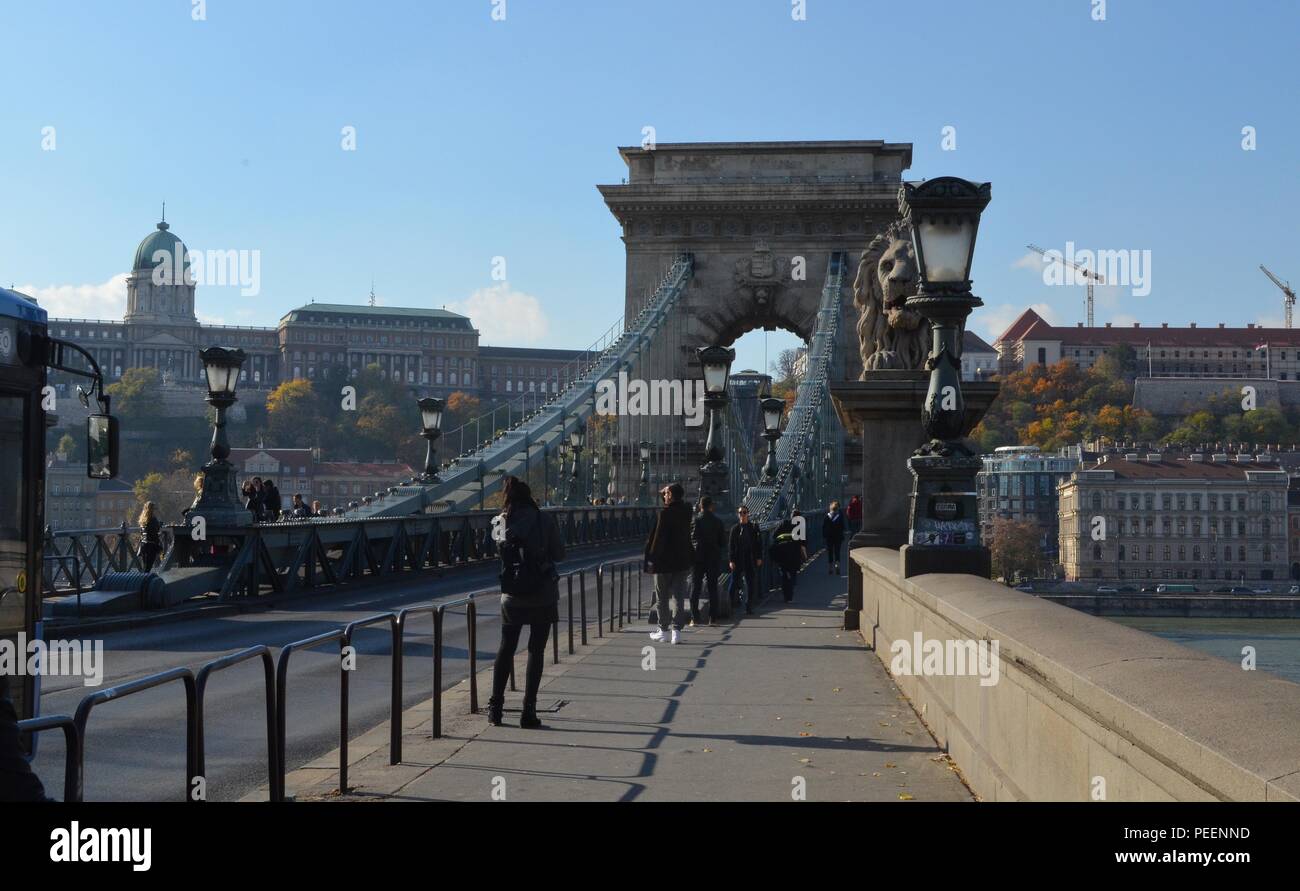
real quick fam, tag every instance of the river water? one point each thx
(1276, 641)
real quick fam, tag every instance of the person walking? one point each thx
(150, 536)
(530, 593)
(854, 513)
(669, 557)
(255, 499)
(271, 500)
(789, 554)
(833, 525)
(298, 508)
(744, 557)
(709, 537)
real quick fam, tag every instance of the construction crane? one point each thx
(1288, 302)
(1089, 276)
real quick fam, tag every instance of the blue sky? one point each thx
(479, 138)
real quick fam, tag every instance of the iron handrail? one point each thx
(72, 756)
(121, 691)
(281, 691)
(201, 685)
(395, 698)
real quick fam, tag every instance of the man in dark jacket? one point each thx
(271, 498)
(709, 536)
(744, 557)
(670, 558)
(789, 553)
(833, 525)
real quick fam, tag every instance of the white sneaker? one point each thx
(675, 635)
(656, 635)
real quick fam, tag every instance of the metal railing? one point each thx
(76, 559)
(276, 673)
(621, 580)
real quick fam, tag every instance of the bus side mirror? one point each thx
(101, 447)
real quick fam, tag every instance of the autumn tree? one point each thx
(293, 415)
(1014, 547)
(135, 396)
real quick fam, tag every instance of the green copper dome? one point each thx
(158, 240)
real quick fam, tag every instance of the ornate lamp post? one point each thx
(716, 364)
(577, 438)
(944, 216)
(643, 488)
(827, 455)
(218, 501)
(773, 408)
(562, 490)
(431, 418)
(595, 474)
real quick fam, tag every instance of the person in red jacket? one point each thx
(854, 513)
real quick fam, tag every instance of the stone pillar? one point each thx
(885, 410)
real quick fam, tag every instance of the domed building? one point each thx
(432, 351)
(160, 329)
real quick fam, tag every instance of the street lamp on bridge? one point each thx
(218, 502)
(577, 438)
(643, 488)
(773, 408)
(716, 364)
(944, 215)
(431, 420)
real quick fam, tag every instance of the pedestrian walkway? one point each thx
(780, 704)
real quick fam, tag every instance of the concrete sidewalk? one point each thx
(781, 702)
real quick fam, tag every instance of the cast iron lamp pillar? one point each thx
(943, 215)
(643, 487)
(772, 408)
(431, 420)
(716, 364)
(218, 502)
(577, 437)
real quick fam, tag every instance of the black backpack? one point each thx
(525, 567)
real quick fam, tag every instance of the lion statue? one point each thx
(890, 336)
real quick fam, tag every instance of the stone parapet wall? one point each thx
(1081, 701)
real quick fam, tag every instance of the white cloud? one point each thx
(1030, 260)
(504, 316)
(102, 301)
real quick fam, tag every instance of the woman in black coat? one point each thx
(535, 537)
(150, 536)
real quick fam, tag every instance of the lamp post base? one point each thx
(922, 559)
(713, 482)
(944, 532)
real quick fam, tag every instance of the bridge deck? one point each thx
(734, 712)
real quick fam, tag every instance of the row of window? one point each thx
(1141, 525)
(1135, 554)
(455, 343)
(1179, 501)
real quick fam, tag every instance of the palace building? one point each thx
(434, 351)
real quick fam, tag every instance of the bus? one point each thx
(27, 353)
(1176, 589)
